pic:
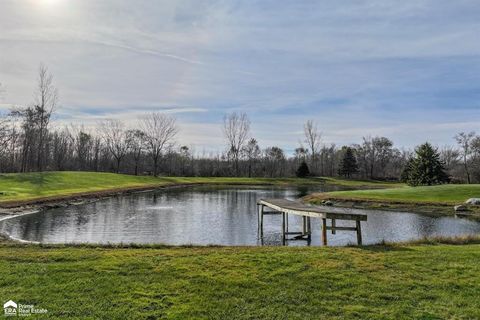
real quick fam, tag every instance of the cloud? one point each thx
(364, 67)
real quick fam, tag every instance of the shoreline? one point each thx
(14, 208)
(20, 208)
(429, 209)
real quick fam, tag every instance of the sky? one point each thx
(408, 70)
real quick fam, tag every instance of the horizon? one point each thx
(400, 70)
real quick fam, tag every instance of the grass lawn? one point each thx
(414, 282)
(33, 186)
(442, 195)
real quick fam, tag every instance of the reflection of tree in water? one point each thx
(83, 216)
(302, 191)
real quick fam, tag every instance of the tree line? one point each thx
(29, 143)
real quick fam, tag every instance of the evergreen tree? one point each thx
(405, 176)
(425, 168)
(303, 170)
(348, 166)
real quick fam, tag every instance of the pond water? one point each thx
(211, 215)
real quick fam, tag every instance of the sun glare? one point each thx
(48, 2)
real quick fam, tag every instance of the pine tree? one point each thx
(425, 168)
(407, 170)
(303, 170)
(348, 166)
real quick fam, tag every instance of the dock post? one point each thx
(260, 225)
(304, 225)
(258, 220)
(286, 221)
(359, 233)
(309, 228)
(324, 231)
(283, 228)
(334, 224)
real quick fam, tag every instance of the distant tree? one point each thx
(375, 154)
(236, 128)
(449, 156)
(463, 140)
(116, 140)
(46, 102)
(301, 153)
(407, 170)
(312, 139)
(5, 135)
(425, 168)
(136, 141)
(185, 156)
(251, 152)
(83, 148)
(274, 161)
(159, 130)
(348, 165)
(384, 151)
(303, 170)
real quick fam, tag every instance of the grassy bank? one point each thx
(33, 186)
(421, 282)
(435, 198)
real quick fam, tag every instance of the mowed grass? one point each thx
(410, 282)
(32, 186)
(442, 194)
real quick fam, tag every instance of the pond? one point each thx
(211, 215)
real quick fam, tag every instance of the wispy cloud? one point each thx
(407, 69)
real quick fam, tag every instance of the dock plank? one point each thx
(302, 209)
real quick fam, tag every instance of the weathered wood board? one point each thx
(323, 212)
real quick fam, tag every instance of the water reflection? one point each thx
(208, 215)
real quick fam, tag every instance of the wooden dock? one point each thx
(286, 207)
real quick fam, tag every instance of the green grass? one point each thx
(401, 282)
(442, 194)
(367, 184)
(33, 186)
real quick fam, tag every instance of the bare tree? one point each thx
(383, 150)
(463, 140)
(6, 135)
(46, 99)
(449, 155)
(136, 140)
(236, 128)
(275, 161)
(160, 130)
(312, 139)
(115, 138)
(251, 152)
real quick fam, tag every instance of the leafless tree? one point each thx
(383, 148)
(463, 140)
(275, 161)
(159, 130)
(136, 140)
(252, 153)
(449, 155)
(46, 99)
(6, 135)
(313, 140)
(236, 128)
(115, 138)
